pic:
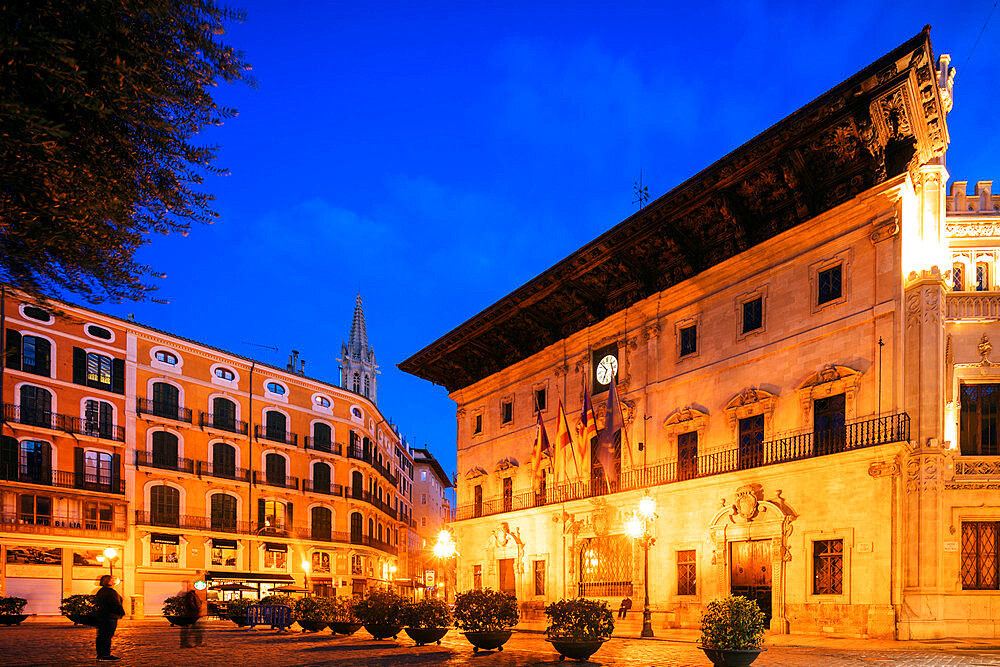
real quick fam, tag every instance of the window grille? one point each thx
(751, 442)
(687, 575)
(979, 555)
(957, 278)
(979, 419)
(539, 577)
(828, 567)
(605, 567)
(982, 277)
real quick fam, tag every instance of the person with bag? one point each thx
(108, 604)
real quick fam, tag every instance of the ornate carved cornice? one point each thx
(882, 122)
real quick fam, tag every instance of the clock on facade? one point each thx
(607, 368)
(605, 364)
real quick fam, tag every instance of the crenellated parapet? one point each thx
(960, 203)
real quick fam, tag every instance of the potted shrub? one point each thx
(486, 616)
(427, 621)
(175, 613)
(577, 628)
(732, 629)
(313, 614)
(343, 621)
(236, 610)
(278, 620)
(10, 610)
(381, 612)
(79, 609)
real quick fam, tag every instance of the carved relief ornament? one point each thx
(685, 420)
(748, 403)
(829, 381)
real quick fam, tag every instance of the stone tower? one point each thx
(358, 369)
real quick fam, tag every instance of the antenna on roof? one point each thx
(641, 192)
(265, 347)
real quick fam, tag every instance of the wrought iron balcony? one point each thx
(223, 422)
(367, 496)
(153, 460)
(62, 479)
(286, 482)
(57, 422)
(310, 486)
(795, 447)
(209, 469)
(285, 437)
(162, 409)
(60, 524)
(194, 522)
(324, 446)
(358, 452)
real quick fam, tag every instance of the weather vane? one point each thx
(641, 192)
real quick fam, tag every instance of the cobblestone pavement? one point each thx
(153, 642)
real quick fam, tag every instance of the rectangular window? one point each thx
(982, 277)
(753, 314)
(687, 455)
(979, 556)
(505, 570)
(751, 452)
(828, 424)
(689, 340)
(508, 494)
(506, 412)
(321, 561)
(828, 567)
(222, 557)
(540, 400)
(539, 577)
(830, 284)
(477, 577)
(687, 574)
(275, 560)
(98, 370)
(477, 424)
(163, 554)
(423, 498)
(957, 278)
(979, 420)
(477, 500)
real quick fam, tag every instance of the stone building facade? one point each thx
(190, 462)
(800, 338)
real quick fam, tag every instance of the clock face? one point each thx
(607, 368)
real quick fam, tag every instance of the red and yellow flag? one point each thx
(564, 447)
(540, 451)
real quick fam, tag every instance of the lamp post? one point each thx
(109, 555)
(305, 572)
(640, 526)
(445, 549)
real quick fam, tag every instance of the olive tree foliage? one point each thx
(99, 104)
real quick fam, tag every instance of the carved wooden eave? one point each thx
(885, 120)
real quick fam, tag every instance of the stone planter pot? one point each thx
(487, 640)
(576, 649)
(312, 626)
(181, 621)
(382, 631)
(727, 658)
(12, 619)
(424, 636)
(344, 627)
(82, 619)
(240, 621)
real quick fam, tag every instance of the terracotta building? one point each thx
(190, 462)
(431, 514)
(800, 339)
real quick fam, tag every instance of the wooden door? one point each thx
(750, 573)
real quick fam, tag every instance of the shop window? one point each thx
(979, 555)
(163, 554)
(322, 562)
(275, 559)
(223, 555)
(828, 567)
(687, 572)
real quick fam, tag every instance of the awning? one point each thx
(275, 546)
(263, 577)
(218, 543)
(164, 538)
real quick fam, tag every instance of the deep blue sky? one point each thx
(437, 156)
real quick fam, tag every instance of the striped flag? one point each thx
(614, 428)
(587, 433)
(541, 450)
(564, 447)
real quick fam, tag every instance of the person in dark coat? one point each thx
(625, 606)
(194, 608)
(108, 604)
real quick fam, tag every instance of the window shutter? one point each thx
(116, 472)
(13, 352)
(260, 513)
(288, 516)
(79, 366)
(46, 462)
(78, 467)
(118, 376)
(43, 356)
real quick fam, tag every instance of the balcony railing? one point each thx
(59, 524)
(358, 452)
(324, 446)
(208, 469)
(286, 437)
(347, 538)
(310, 486)
(856, 435)
(286, 482)
(152, 460)
(162, 409)
(973, 305)
(370, 498)
(58, 422)
(222, 422)
(63, 480)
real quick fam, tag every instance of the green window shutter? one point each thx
(13, 351)
(79, 366)
(118, 376)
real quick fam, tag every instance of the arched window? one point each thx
(225, 374)
(322, 524)
(275, 469)
(322, 436)
(379, 532)
(36, 406)
(164, 450)
(321, 478)
(166, 357)
(98, 418)
(275, 426)
(35, 355)
(223, 460)
(164, 506)
(166, 400)
(982, 276)
(357, 384)
(356, 522)
(224, 512)
(357, 484)
(371, 527)
(368, 387)
(957, 277)
(223, 413)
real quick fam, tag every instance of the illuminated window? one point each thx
(982, 277)
(273, 558)
(539, 577)
(322, 401)
(957, 277)
(224, 553)
(271, 514)
(980, 420)
(321, 561)
(98, 370)
(163, 554)
(980, 555)
(166, 357)
(828, 567)
(97, 467)
(686, 573)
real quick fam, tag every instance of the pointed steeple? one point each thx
(357, 359)
(357, 342)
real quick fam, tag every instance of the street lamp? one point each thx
(444, 549)
(639, 526)
(305, 571)
(109, 555)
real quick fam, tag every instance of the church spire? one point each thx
(357, 359)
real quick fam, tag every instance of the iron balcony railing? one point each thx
(163, 462)
(57, 422)
(329, 489)
(358, 452)
(286, 482)
(324, 445)
(358, 493)
(224, 422)
(209, 469)
(794, 447)
(285, 437)
(58, 524)
(163, 409)
(62, 479)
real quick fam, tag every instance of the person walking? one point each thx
(108, 604)
(195, 607)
